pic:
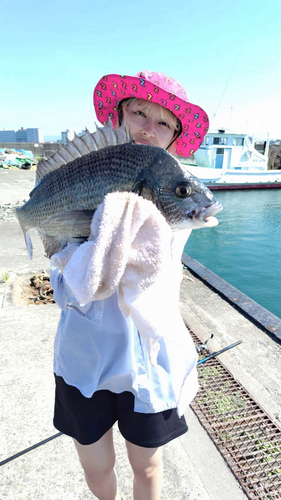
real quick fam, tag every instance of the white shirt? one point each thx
(97, 348)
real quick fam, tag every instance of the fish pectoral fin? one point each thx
(51, 245)
(144, 185)
(78, 220)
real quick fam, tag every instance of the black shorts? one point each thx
(88, 419)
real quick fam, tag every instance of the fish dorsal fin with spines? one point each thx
(83, 145)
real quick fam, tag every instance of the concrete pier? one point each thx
(194, 469)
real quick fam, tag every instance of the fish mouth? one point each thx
(205, 215)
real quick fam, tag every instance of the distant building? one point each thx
(34, 135)
(68, 135)
(7, 136)
(22, 135)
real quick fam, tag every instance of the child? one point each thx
(102, 370)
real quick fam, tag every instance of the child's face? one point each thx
(149, 123)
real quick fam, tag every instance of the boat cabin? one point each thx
(227, 150)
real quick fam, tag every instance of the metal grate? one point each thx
(244, 434)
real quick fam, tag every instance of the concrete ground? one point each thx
(194, 469)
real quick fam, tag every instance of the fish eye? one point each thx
(183, 191)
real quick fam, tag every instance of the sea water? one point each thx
(245, 248)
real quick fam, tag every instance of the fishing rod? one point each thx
(20, 453)
(200, 348)
(203, 347)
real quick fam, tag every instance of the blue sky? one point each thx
(53, 54)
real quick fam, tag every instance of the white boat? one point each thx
(229, 160)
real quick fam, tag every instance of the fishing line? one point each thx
(231, 73)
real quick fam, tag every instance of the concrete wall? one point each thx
(38, 149)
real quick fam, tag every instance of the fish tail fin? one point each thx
(25, 229)
(29, 245)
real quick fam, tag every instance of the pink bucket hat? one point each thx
(157, 88)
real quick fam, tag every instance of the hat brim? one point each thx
(111, 89)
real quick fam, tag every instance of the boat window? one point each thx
(260, 147)
(238, 141)
(207, 140)
(220, 151)
(220, 140)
